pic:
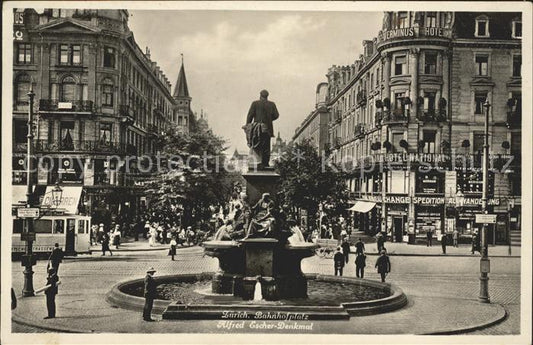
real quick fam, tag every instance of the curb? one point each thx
(25, 322)
(500, 319)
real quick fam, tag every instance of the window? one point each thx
(397, 182)
(428, 138)
(431, 19)
(517, 65)
(398, 100)
(517, 29)
(479, 140)
(479, 100)
(402, 20)
(69, 54)
(482, 27)
(21, 89)
(107, 93)
(66, 127)
(399, 65)
(20, 128)
(68, 90)
(396, 138)
(429, 101)
(482, 65)
(109, 57)
(24, 53)
(517, 104)
(105, 133)
(430, 63)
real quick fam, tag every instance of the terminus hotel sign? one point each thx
(414, 32)
(426, 200)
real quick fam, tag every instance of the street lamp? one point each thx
(57, 194)
(485, 262)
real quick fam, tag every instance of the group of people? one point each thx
(341, 258)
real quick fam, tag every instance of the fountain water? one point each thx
(258, 295)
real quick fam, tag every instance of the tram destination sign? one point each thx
(485, 218)
(28, 212)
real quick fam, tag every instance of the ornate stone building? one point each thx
(406, 119)
(99, 99)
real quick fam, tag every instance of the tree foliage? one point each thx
(307, 181)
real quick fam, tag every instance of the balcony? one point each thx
(84, 146)
(361, 98)
(432, 115)
(337, 142)
(127, 113)
(514, 119)
(52, 105)
(395, 116)
(378, 117)
(359, 130)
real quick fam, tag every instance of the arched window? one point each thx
(68, 89)
(22, 87)
(107, 93)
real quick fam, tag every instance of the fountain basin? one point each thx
(330, 298)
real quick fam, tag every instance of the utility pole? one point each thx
(485, 262)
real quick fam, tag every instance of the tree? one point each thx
(192, 173)
(306, 181)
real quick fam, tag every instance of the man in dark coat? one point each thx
(338, 262)
(262, 112)
(345, 249)
(149, 294)
(360, 263)
(56, 257)
(380, 241)
(51, 293)
(383, 265)
(359, 247)
(429, 235)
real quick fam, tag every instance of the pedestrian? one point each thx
(360, 263)
(147, 228)
(474, 242)
(152, 236)
(164, 234)
(116, 236)
(56, 257)
(51, 291)
(359, 247)
(380, 241)
(101, 232)
(338, 262)
(443, 243)
(456, 238)
(345, 249)
(172, 250)
(105, 244)
(149, 294)
(383, 265)
(429, 235)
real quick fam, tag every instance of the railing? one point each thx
(361, 97)
(84, 146)
(395, 116)
(359, 130)
(432, 115)
(70, 106)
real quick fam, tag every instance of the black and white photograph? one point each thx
(266, 172)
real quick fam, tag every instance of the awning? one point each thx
(69, 199)
(362, 206)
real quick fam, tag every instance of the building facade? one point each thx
(407, 120)
(100, 104)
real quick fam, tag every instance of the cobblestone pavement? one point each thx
(430, 279)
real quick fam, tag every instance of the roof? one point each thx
(181, 89)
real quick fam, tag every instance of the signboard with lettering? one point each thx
(28, 212)
(64, 105)
(414, 32)
(485, 218)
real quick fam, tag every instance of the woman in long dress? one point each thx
(153, 235)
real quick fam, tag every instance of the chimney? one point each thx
(147, 52)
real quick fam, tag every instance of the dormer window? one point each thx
(482, 27)
(517, 29)
(431, 20)
(402, 20)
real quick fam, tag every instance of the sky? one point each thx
(230, 56)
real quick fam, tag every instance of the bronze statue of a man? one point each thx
(259, 128)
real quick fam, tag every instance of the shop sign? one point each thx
(413, 32)
(486, 218)
(28, 212)
(19, 18)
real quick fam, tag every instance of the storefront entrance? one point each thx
(398, 228)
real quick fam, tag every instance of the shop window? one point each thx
(69, 54)
(400, 64)
(22, 88)
(482, 65)
(517, 29)
(402, 20)
(479, 100)
(428, 137)
(109, 57)
(431, 182)
(107, 93)
(105, 133)
(430, 63)
(397, 182)
(21, 131)
(517, 65)
(431, 19)
(24, 53)
(68, 89)
(482, 27)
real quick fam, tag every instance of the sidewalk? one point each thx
(130, 245)
(404, 249)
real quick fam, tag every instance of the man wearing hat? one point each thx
(51, 292)
(259, 128)
(338, 262)
(149, 294)
(383, 265)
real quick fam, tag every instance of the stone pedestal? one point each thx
(259, 182)
(248, 288)
(259, 256)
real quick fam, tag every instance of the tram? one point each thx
(61, 224)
